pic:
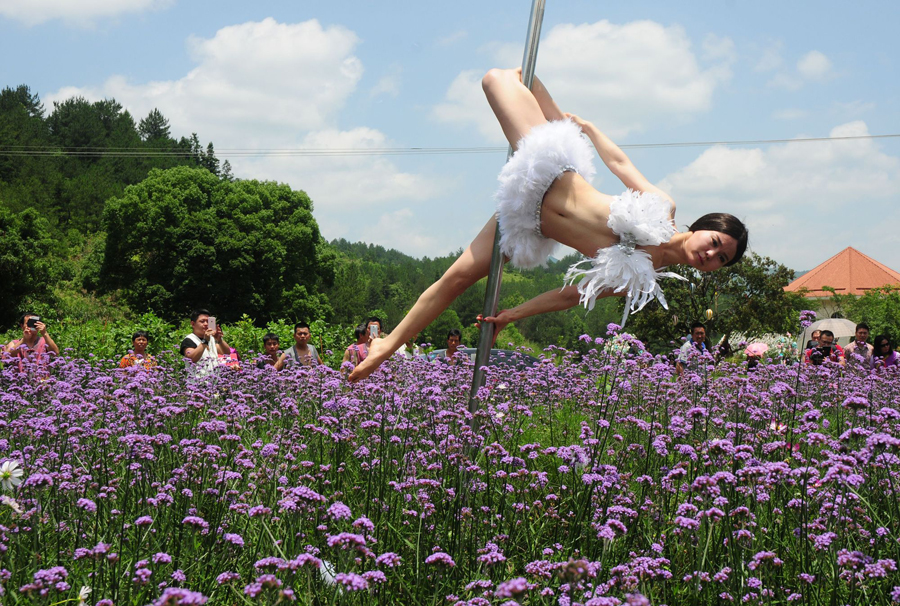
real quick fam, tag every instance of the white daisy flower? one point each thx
(10, 475)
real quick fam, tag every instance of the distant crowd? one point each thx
(822, 346)
(205, 348)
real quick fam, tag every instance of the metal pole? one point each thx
(495, 274)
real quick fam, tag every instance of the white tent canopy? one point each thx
(844, 330)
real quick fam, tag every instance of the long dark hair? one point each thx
(878, 342)
(726, 224)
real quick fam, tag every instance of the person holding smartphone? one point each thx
(35, 339)
(205, 344)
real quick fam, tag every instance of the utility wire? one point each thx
(130, 152)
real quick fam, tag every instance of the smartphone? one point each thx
(373, 331)
(212, 323)
(32, 322)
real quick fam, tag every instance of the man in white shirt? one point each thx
(204, 345)
(860, 346)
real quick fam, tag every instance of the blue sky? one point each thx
(364, 75)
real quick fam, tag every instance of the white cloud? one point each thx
(802, 201)
(790, 114)
(852, 109)
(771, 58)
(453, 38)
(628, 76)
(269, 85)
(814, 66)
(389, 84)
(82, 13)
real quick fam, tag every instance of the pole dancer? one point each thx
(545, 198)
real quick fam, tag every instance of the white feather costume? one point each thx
(541, 156)
(639, 219)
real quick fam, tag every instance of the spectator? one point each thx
(693, 350)
(35, 340)
(271, 343)
(755, 353)
(138, 355)
(860, 347)
(357, 352)
(204, 346)
(375, 328)
(814, 339)
(449, 355)
(301, 352)
(884, 355)
(826, 349)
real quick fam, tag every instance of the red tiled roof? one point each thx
(848, 272)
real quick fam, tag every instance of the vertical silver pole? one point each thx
(492, 292)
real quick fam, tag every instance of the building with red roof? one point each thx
(849, 273)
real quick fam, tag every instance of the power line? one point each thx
(224, 153)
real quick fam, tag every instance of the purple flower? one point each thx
(440, 558)
(227, 577)
(351, 581)
(388, 559)
(511, 588)
(176, 596)
(339, 511)
(162, 558)
(234, 539)
(87, 505)
(196, 522)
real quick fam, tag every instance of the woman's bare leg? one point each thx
(470, 267)
(516, 108)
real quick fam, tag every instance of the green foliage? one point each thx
(81, 154)
(183, 239)
(879, 308)
(25, 244)
(745, 298)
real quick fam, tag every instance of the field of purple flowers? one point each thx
(597, 480)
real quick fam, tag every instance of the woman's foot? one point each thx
(379, 351)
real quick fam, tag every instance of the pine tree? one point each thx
(154, 127)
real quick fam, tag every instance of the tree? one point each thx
(154, 128)
(879, 308)
(183, 238)
(746, 298)
(25, 244)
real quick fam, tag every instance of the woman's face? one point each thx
(710, 250)
(139, 345)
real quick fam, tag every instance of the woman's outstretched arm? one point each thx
(617, 162)
(558, 299)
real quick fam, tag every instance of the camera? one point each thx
(32, 322)
(818, 355)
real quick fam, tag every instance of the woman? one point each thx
(884, 355)
(138, 355)
(545, 198)
(35, 340)
(358, 351)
